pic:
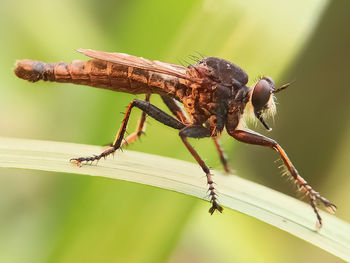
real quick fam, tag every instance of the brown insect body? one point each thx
(196, 86)
(213, 92)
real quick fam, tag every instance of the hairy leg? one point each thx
(251, 137)
(159, 115)
(201, 132)
(146, 107)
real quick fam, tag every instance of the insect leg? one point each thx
(251, 137)
(140, 129)
(201, 132)
(149, 109)
(177, 110)
(221, 154)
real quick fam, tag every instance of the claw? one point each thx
(318, 225)
(77, 162)
(215, 206)
(315, 196)
(331, 208)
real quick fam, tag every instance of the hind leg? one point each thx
(146, 107)
(140, 128)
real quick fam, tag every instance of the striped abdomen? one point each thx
(101, 74)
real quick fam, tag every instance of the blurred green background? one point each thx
(48, 217)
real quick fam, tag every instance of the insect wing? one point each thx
(139, 62)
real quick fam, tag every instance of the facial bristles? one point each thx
(270, 109)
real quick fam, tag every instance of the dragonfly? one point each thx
(213, 92)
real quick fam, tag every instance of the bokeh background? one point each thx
(51, 217)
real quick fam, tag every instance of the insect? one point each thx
(213, 92)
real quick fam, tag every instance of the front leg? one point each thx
(198, 131)
(251, 137)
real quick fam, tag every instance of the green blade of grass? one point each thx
(267, 205)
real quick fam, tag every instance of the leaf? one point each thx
(267, 205)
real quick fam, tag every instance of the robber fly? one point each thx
(213, 92)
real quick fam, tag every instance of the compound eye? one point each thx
(261, 94)
(261, 98)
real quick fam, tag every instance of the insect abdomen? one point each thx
(92, 72)
(96, 73)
